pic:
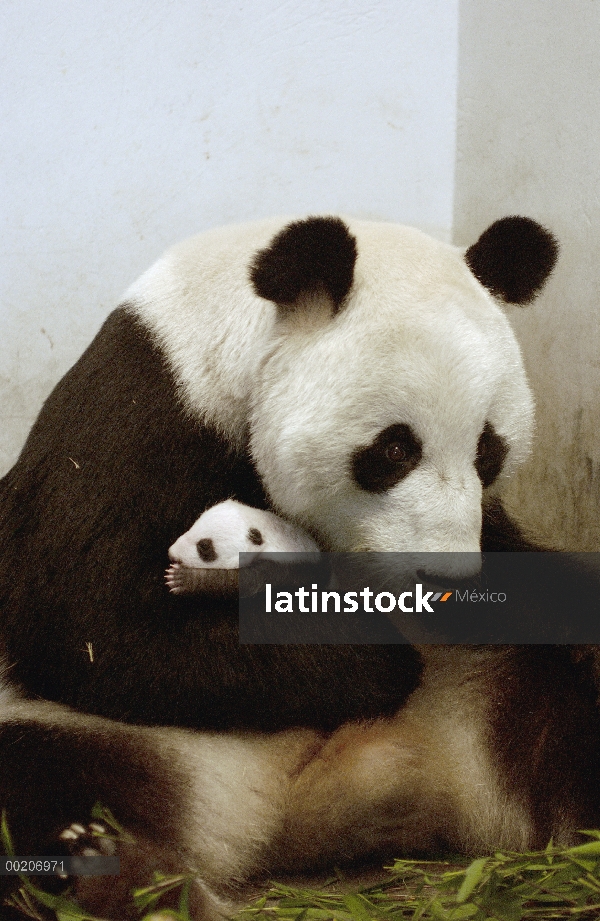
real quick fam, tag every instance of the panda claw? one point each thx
(173, 579)
(93, 841)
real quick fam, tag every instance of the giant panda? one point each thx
(363, 381)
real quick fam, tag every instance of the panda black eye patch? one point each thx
(491, 454)
(206, 550)
(388, 459)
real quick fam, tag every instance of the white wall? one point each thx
(128, 125)
(529, 143)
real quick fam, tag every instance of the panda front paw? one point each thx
(174, 579)
(188, 580)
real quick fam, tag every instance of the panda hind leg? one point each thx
(498, 748)
(55, 765)
(370, 792)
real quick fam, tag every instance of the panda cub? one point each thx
(206, 558)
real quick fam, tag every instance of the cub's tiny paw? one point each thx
(174, 579)
(187, 580)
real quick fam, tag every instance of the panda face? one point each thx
(366, 367)
(379, 427)
(215, 540)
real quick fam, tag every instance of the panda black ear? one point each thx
(513, 258)
(317, 254)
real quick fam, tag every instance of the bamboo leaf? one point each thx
(473, 875)
(358, 908)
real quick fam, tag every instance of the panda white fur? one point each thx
(224, 531)
(207, 557)
(361, 380)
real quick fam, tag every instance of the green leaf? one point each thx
(464, 912)
(163, 913)
(589, 849)
(5, 835)
(358, 907)
(184, 900)
(75, 914)
(103, 814)
(473, 874)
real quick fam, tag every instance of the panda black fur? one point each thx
(114, 470)
(368, 389)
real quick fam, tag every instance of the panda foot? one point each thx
(139, 860)
(93, 840)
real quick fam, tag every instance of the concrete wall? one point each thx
(528, 142)
(126, 126)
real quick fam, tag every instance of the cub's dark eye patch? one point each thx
(206, 550)
(394, 453)
(255, 537)
(491, 454)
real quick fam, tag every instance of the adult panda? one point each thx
(361, 380)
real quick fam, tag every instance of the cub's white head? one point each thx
(224, 531)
